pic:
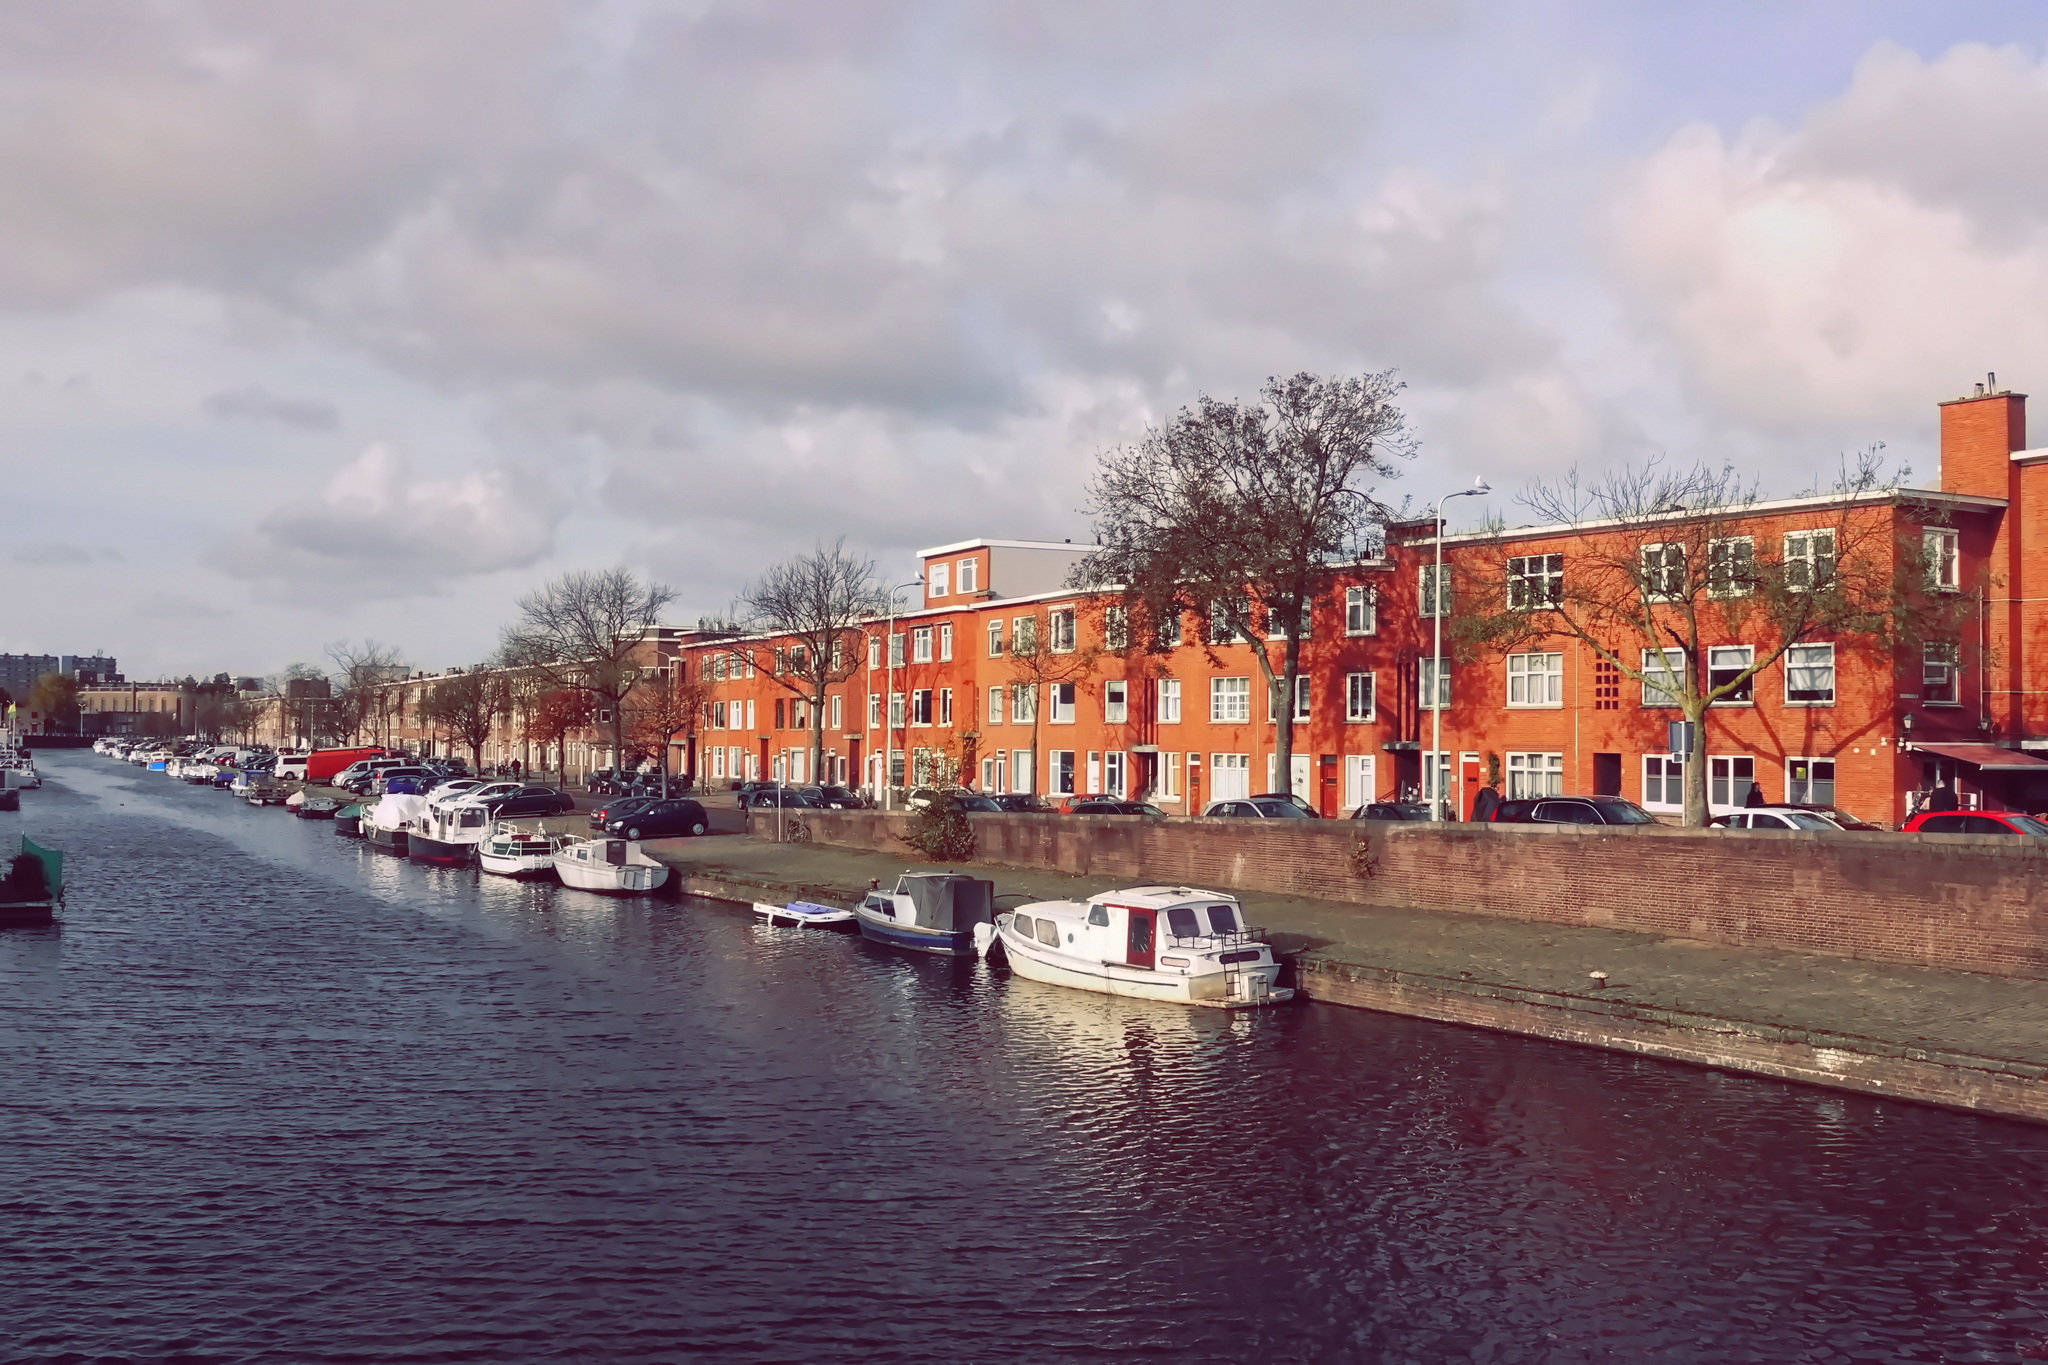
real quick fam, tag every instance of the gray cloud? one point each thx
(257, 402)
(62, 552)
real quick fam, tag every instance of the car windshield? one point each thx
(2027, 824)
(1281, 810)
(1807, 820)
(1625, 813)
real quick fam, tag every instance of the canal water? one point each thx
(271, 1096)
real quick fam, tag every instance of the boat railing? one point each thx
(1251, 933)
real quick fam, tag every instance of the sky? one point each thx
(363, 319)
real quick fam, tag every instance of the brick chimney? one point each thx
(1979, 433)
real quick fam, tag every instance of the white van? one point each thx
(290, 768)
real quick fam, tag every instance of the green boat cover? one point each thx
(51, 859)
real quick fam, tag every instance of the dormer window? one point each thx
(935, 577)
(968, 579)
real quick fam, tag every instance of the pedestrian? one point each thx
(1755, 797)
(515, 769)
(1484, 804)
(1944, 798)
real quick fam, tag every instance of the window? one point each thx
(1115, 774)
(1023, 703)
(778, 713)
(1062, 695)
(1606, 686)
(995, 704)
(1731, 566)
(1361, 611)
(1433, 692)
(1359, 787)
(1724, 666)
(1060, 636)
(1230, 777)
(837, 714)
(895, 710)
(1059, 771)
(1663, 572)
(750, 713)
(1663, 676)
(946, 642)
(1535, 775)
(1810, 675)
(1435, 595)
(1535, 581)
(874, 652)
(1938, 668)
(1116, 629)
(1302, 690)
(995, 772)
(1227, 622)
(1020, 770)
(935, 580)
(874, 710)
(995, 639)
(1809, 559)
(1810, 782)
(1169, 701)
(1024, 635)
(968, 577)
(1663, 782)
(921, 645)
(718, 762)
(1168, 633)
(1358, 698)
(896, 650)
(1230, 700)
(1728, 781)
(945, 706)
(1944, 574)
(1168, 777)
(1276, 622)
(1115, 703)
(1535, 680)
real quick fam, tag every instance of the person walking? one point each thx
(1755, 797)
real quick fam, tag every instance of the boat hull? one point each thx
(630, 880)
(877, 928)
(349, 826)
(517, 864)
(389, 840)
(27, 914)
(805, 915)
(422, 849)
(1215, 990)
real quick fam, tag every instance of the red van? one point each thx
(322, 764)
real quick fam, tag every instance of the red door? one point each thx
(1141, 939)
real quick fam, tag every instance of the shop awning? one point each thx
(1986, 757)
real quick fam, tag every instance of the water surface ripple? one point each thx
(271, 1096)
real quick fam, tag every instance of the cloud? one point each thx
(257, 402)
(62, 552)
(162, 606)
(379, 530)
(1847, 272)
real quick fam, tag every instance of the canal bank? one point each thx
(1962, 1040)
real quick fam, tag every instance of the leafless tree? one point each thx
(1662, 566)
(468, 705)
(813, 607)
(363, 672)
(1047, 650)
(663, 705)
(582, 633)
(1236, 512)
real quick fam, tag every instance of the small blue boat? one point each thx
(804, 915)
(928, 912)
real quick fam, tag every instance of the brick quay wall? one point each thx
(1960, 902)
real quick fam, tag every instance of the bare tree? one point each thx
(555, 713)
(663, 705)
(582, 633)
(362, 674)
(468, 705)
(1236, 512)
(1662, 573)
(1044, 652)
(814, 606)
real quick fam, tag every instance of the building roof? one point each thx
(958, 546)
(1961, 501)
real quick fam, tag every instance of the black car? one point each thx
(1144, 808)
(841, 798)
(1022, 803)
(768, 798)
(1257, 808)
(662, 820)
(748, 788)
(1393, 810)
(531, 801)
(1572, 810)
(618, 808)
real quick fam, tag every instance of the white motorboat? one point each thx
(510, 851)
(614, 865)
(388, 825)
(1173, 943)
(448, 835)
(805, 915)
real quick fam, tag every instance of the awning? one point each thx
(1987, 757)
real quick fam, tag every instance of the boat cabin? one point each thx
(1147, 927)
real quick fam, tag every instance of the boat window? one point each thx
(1223, 919)
(1182, 923)
(1241, 955)
(1049, 933)
(1098, 914)
(1023, 924)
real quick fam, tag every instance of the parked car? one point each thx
(1020, 803)
(1107, 807)
(1841, 817)
(380, 781)
(1291, 799)
(1572, 810)
(956, 798)
(749, 787)
(619, 807)
(662, 820)
(1775, 817)
(530, 801)
(1256, 808)
(469, 789)
(1393, 810)
(787, 798)
(2006, 822)
(841, 798)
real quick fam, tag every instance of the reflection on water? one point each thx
(274, 1096)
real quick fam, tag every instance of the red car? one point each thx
(2006, 822)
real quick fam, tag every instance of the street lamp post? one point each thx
(889, 695)
(1438, 692)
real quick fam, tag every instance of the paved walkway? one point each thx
(1878, 1007)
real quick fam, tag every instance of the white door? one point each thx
(1359, 786)
(1298, 767)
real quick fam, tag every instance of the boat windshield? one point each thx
(1182, 922)
(1223, 919)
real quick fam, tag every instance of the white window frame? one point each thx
(1230, 701)
(1168, 777)
(1024, 635)
(1116, 703)
(1531, 775)
(1021, 775)
(1239, 767)
(837, 712)
(1535, 582)
(1060, 632)
(921, 645)
(896, 710)
(1438, 603)
(1801, 790)
(896, 657)
(874, 710)
(1942, 547)
(1061, 696)
(1116, 629)
(1169, 701)
(1361, 780)
(1803, 658)
(1941, 667)
(946, 706)
(1023, 703)
(946, 643)
(1665, 769)
(1059, 772)
(1361, 611)
(1361, 698)
(1302, 693)
(966, 580)
(1435, 698)
(1539, 678)
(1717, 661)
(1663, 581)
(1722, 774)
(1674, 668)
(935, 580)
(995, 637)
(1116, 773)
(1731, 566)
(1805, 556)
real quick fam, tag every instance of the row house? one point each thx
(1000, 677)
